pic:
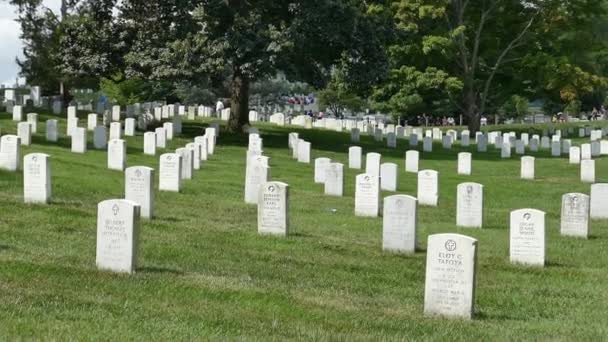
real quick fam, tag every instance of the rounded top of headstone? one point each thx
(451, 242)
(428, 173)
(527, 214)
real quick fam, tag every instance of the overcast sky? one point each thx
(10, 45)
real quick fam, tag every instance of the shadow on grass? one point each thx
(4, 248)
(159, 270)
(482, 316)
(172, 219)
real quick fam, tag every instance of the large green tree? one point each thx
(486, 45)
(250, 40)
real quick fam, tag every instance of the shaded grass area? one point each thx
(205, 272)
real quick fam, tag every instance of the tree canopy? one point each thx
(407, 57)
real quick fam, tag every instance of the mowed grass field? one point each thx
(204, 272)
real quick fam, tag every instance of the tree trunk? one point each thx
(472, 111)
(239, 104)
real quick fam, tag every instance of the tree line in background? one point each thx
(403, 57)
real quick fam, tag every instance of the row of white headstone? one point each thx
(271, 197)
(118, 220)
(449, 288)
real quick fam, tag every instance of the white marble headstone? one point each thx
(117, 235)
(367, 195)
(24, 131)
(51, 130)
(257, 172)
(321, 165)
(527, 167)
(588, 171)
(354, 157)
(411, 161)
(36, 178)
(427, 144)
(575, 215)
(273, 209)
(399, 221)
(79, 140)
(170, 172)
(334, 179)
(196, 158)
(388, 176)
(139, 188)
(91, 121)
(599, 201)
(100, 138)
(115, 130)
(129, 127)
(187, 159)
(303, 151)
(428, 187)
(469, 205)
(372, 163)
(449, 289)
(17, 113)
(464, 163)
(32, 119)
(575, 155)
(161, 137)
(10, 147)
(150, 143)
(117, 154)
(527, 237)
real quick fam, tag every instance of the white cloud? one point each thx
(10, 45)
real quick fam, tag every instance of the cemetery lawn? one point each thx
(204, 272)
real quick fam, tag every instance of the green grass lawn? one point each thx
(205, 272)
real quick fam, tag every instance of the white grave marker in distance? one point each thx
(24, 131)
(527, 167)
(372, 163)
(354, 157)
(469, 205)
(411, 161)
(161, 137)
(51, 130)
(599, 201)
(150, 143)
(100, 138)
(334, 179)
(575, 215)
(464, 163)
(186, 160)
(170, 172)
(588, 171)
(367, 195)
(196, 158)
(117, 154)
(388, 176)
(321, 165)
(10, 148)
(139, 188)
(36, 178)
(79, 140)
(257, 172)
(428, 187)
